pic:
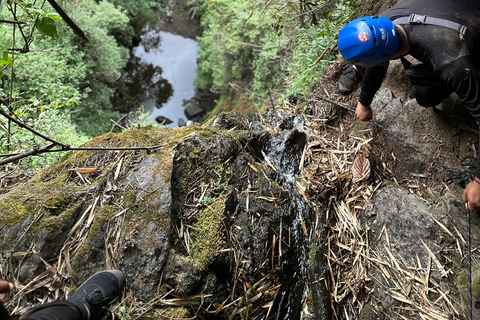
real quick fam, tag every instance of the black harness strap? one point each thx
(421, 19)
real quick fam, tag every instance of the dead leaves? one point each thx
(361, 168)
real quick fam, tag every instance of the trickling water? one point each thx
(161, 73)
(294, 262)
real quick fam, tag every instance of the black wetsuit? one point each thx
(56, 310)
(454, 59)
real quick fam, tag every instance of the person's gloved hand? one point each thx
(471, 195)
(5, 287)
(363, 113)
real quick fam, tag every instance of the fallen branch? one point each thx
(47, 149)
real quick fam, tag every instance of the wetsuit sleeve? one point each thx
(3, 312)
(463, 76)
(372, 80)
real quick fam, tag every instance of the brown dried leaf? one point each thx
(86, 169)
(361, 168)
(253, 167)
(301, 190)
(314, 144)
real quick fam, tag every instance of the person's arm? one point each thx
(463, 76)
(372, 80)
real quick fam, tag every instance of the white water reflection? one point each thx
(177, 57)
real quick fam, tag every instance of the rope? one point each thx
(454, 174)
(469, 268)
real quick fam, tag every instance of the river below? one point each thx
(161, 73)
(159, 77)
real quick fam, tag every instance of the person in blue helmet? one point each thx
(443, 35)
(96, 292)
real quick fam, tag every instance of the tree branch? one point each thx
(17, 156)
(10, 21)
(22, 125)
(67, 19)
(26, 154)
(22, 50)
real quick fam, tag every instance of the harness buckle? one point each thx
(417, 19)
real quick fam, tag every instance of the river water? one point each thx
(161, 73)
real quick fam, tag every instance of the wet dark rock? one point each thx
(397, 219)
(147, 175)
(145, 258)
(163, 120)
(405, 217)
(181, 274)
(238, 121)
(193, 110)
(181, 122)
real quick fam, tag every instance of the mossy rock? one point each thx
(462, 285)
(208, 236)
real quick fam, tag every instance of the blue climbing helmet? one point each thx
(368, 41)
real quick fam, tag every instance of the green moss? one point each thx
(167, 313)
(207, 237)
(49, 197)
(130, 199)
(56, 205)
(53, 222)
(462, 284)
(103, 215)
(178, 313)
(12, 212)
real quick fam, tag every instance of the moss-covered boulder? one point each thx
(211, 212)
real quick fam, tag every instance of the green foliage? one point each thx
(266, 47)
(6, 60)
(141, 118)
(239, 45)
(312, 43)
(60, 71)
(45, 22)
(54, 123)
(214, 194)
(123, 314)
(142, 12)
(73, 73)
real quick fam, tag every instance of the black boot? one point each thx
(99, 290)
(349, 78)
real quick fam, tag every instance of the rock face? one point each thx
(403, 228)
(193, 110)
(214, 214)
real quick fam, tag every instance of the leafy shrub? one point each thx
(239, 45)
(312, 43)
(263, 47)
(54, 123)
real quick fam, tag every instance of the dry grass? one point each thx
(354, 264)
